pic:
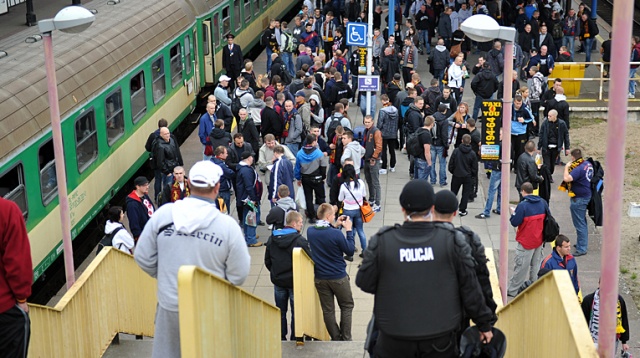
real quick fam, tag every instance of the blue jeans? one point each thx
(269, 52)
(358, 225)
(578, 209)
(354, 83)
(477, 107)
(422, 169)
(587, 48)
(250, 231)
(293, 147)
(363, 104)
(205, 157)
(423, 35)
(287, 58)
(571, 41)
(632, 84)
(226, 196)
(437, 153)
(438, 75)
(494, 186)
(282, 295)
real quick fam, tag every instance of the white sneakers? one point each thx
(382, 171)
(393, 170)
(631, 95)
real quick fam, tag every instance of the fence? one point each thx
(112, 295)
(546, 321)
(218, 319)
(307, 310)
(572, 74)
(493, 276)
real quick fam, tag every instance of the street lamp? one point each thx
(71, 19)
(483, 28)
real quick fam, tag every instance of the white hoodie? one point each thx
(122, 239)
(354, 151)
(197, 234)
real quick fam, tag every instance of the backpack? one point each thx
(550, 229)
(107, 240)
(152, 159)
(556, 31)
(236, 103)
(285, 76)
(413, 142)
(334, 122)
(292, 43)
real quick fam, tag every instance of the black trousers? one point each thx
(406, 75)
(517, 147)
(532, 129)
(392, 145)
(467, 190)
(15, 331)
(312, 186)
(549, 158)
(440, 347)
(328, 49)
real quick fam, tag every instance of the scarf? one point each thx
(288, 117)
(594, 320)
(176, 193)
(323, 223)
(567, 186)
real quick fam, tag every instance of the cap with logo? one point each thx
(205, 174)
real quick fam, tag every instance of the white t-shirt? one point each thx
(348, 200)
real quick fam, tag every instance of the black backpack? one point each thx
(334, 122)
(107, 240)
(556, 31)
(285, 76)
(413, 142)
(236, 103)
(550, 229)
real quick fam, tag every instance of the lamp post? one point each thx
(72, 19)
(369, 55)
(483, 28)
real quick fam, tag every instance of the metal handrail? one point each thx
(601, 79)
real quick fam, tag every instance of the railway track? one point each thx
(605, 11)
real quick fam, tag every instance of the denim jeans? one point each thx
(477, 107)
(632, 84)
(354, 84)
(294, 148)
(282, 295)
(422, 169)
(363, 104)
(570, 41)
(438, 74)
(372, 176)
(587, 48)
(249, 231)
(494, 187)
(423, 35)
(578, 209)
(226, 196)
(205, 157)
(287, 58)
(358, 225)
(437, 153)
(269, 52)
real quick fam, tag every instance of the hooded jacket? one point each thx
(484, 84)
(529, 219)
(277, 256)
(496, 61)
(518, 128)
(191, 232)
(255, 108)
(228, 175)
(271, 122)
(463, 162)
(339, 91)
(388, 122)
(413, 118)
(246, 179)
(277, 214)
(354, 151)
(122, 240)
(219, 137)
(392, 90)
(139, 210)
(309, 163)
(560, 104)
(440, 58)
(281, 173)
(442, 127)
(430, 96)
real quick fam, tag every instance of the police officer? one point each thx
(422, 275)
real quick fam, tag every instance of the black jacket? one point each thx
(276, 69)
(219, 137)
(563, 135)
(527, 171)
(430, 97)
(167, 155)
(224, 112)
(451, 103)
(277, 257)
(250, 134)
(389, 66)
(463, 162)
(234, 158)
(339, 91)
(563, 110)
(484, 84)
(413, 119)
(392, 91)
(442, 129)
(271, 122)
(515, 85)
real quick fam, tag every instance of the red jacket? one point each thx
(529, 218)
(16, 271)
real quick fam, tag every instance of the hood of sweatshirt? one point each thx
(560, 97)
(284, 238)
(532, 198)
(408, 102)
(218, 133)
(315, 98)
(256, 103)
(391, 110)
(464, 148)
(435, 89)
(286, 203)
(192, 214)
(110, 226)
(441, 48)
(356, 147)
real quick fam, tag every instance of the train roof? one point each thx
(121, 36)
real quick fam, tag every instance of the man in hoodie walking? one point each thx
(249, 192)
(463, 167)
(483, 85)
(279, 262)
(388, 124)
(440, 142)
(351, 150)
(439, 61)
(189, 232)
(310, 175)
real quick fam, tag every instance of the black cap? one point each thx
(533, 49)
(445, 202)
(139, 181)
(246, 155)
(230, 36)
(417, 195)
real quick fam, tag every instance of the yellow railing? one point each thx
(546, 321)
(112, 295)
(307, 310)
(493, 276)
(218, 319)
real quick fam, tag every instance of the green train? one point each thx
(139, 61)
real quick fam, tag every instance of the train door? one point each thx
(195, 64)
(209, 55)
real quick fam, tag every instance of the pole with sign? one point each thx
(490, 147)
(369, 54)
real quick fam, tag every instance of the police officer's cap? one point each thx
(445, 202)
(417, 195)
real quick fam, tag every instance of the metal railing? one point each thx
(600, 79)
(546, 321)
(307, 310)
(493, 276)
(218, 319)
(112, 295)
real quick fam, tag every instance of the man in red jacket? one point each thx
(16, 277)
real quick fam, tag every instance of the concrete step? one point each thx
(316, 349)
(129, 347)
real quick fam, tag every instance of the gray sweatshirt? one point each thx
(200, 235)
(354, 151)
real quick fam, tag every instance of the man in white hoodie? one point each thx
(189, 232)
(352, 149)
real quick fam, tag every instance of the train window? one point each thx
(12, 188)
(157, 72)
(236, 14)
(205, 39)
(216, 27)
(86, 140)
(114, 116)
(47, 166)
(138, 97)
(247, 10)
(187, 53)
(176, 65)
(256, 8)
(226, 22)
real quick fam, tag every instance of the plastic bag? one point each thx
(302, 203)
(250, 220)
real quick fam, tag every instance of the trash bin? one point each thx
(567, 72)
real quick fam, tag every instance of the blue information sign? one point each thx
(368, 83)
(356, 34)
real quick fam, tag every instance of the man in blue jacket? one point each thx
(310, 173)
(249, 191)
(228, 175)
(281, 173)
(561, 259)
(139, 206)
(521, 116)
(206, 125)
(328, 245)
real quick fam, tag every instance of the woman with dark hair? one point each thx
(122, 240)
(352, 194)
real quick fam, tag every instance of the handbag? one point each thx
(365, 209)
(208, 149)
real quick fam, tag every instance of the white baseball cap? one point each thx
(224, 78)
(205, 174)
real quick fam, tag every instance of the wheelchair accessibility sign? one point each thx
(357, 34)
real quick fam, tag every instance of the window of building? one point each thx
(187, 53)
(114, 116)
(86, 140)
(226, 22)
(138, 97)
(237, 19)
(12, 188)
(47, 165)
(216, 28)
(176, 65)
(247, 10)
(157, 74)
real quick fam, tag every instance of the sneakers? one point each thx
(382, 171)
(376, 208)
(349, 258)
(481, 216)
(631, 95)
(361, 255)
(495, 211)
(257, 244)
(443, 185)
(471, 200)
(463, 213)
(578, 253)
(393, 170)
